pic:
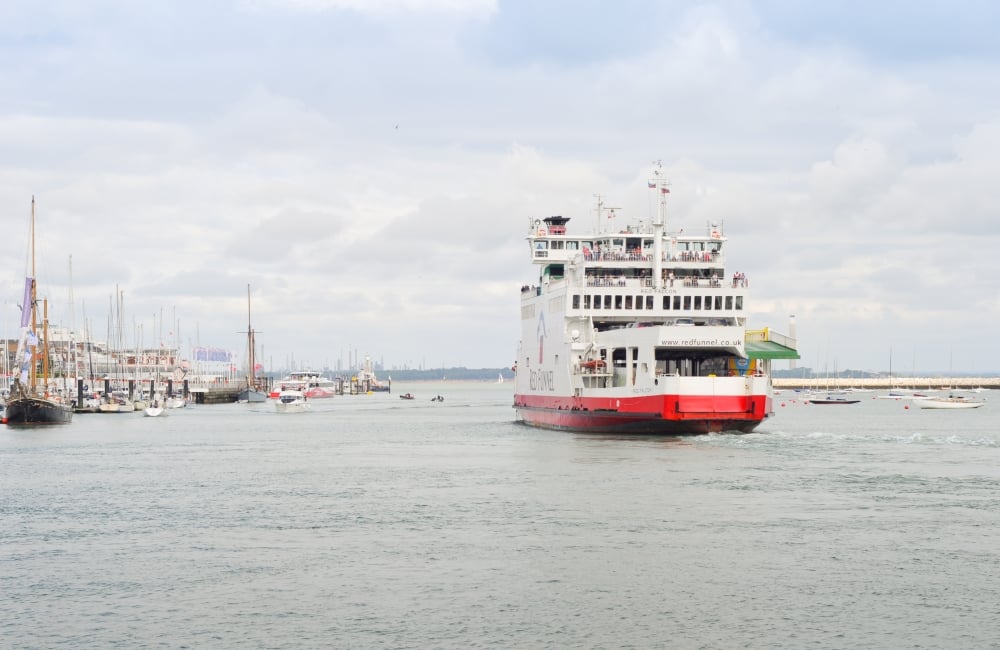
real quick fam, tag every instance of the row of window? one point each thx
(670, 303)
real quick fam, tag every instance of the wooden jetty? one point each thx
(224, 392)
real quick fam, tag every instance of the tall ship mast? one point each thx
(638, 331)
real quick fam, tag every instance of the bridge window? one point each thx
(739, 302)
(708, 302)
(677, 302)
(576, 301)
(697, 302)
(628, 302)
(649, 302)
(586, 301)
(718, 302)
(687, 303)
(729, 302)
(618, 302)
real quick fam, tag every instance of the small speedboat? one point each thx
(291, 401)
(406, 396)
(154, 410)
(437, 399)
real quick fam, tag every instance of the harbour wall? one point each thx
(886, 383)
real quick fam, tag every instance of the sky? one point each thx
(369, 167)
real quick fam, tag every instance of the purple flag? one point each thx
(26, 304)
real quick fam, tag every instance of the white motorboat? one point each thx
(291, 401)
(950, 402)
(175, 402)
(157, 408)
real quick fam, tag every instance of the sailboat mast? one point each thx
(33, 375)
(251, 371)
(32, 238)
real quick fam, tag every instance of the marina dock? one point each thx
(885, 383)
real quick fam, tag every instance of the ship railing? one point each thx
(693, 256)
(607, 282)
(616, 256)
(670, 283)
(686, 257)
(712, 283)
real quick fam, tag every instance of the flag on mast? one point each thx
(26, 303)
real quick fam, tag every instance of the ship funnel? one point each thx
(557, 225)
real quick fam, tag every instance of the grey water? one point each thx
(376, 522)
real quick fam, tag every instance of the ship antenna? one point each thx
(601, 209)
(659, 183)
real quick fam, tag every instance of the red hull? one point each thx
(655, 414)
(314, 393)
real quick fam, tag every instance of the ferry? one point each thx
(638, 332)
(311, 383)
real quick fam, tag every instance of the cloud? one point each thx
(384, 7)
(371, 169)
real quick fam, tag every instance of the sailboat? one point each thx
(252, 392)
(834, 395)
(500, 380)
(30, 403)
(894, 392)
